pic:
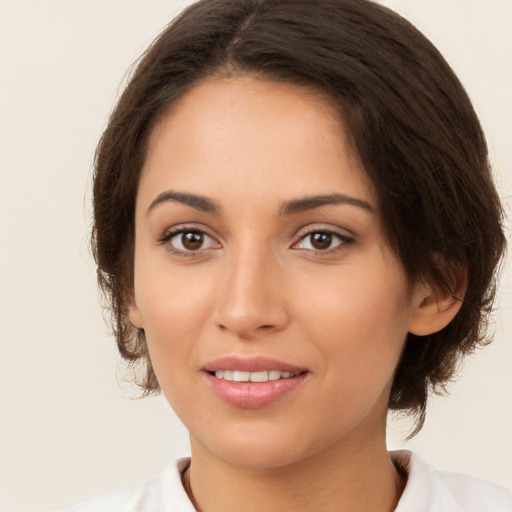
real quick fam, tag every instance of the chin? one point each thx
(258, 456)
(260, 448)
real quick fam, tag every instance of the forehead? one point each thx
(254, 137)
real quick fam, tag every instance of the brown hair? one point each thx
(413, 126)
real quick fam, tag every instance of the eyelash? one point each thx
(344, 240)
(172, 233)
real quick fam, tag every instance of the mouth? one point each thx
(260, 376)
(252, 383)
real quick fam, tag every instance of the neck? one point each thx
(341, 480)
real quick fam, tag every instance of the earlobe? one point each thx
(434, 310)
(133, 313)
(134, 317)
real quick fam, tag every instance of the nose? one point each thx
(252, 300)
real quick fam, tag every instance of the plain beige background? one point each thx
(69, 426)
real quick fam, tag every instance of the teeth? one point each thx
(259, 376)
(241, 376)
(263, 376)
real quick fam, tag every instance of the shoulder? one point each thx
(164, 494)
(429, 490)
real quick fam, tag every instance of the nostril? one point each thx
(246, 318)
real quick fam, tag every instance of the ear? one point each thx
(434, 310)
(133, 312)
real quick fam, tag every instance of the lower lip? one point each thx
(252, 395)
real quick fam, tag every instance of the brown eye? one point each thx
(321, 241)
(192, 241)
(187, 241)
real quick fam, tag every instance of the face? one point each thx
(274, 312)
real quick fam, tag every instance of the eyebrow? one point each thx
(308, 203)
(207, 205)
(201, 203)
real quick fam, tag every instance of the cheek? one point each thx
(370, 299)
(359, 318)
(167, 294)
(173, 309)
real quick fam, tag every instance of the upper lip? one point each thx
(251, 364)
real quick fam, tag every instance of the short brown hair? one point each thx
(413, 126)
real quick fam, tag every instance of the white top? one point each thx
(427, 490)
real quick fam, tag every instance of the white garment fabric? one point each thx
(427, 490)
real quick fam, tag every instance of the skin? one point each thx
(256, 286)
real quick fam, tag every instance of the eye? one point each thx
(322, 241)
(189, 240)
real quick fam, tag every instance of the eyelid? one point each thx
(346, 237)
(174, 231)
(324, 228)
(168, 232)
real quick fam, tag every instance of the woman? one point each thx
(297, 229)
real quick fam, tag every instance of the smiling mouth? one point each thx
(260, 376)
(253, 389)
(252, 382)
